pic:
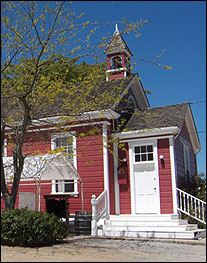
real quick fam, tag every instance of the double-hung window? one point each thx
(186, 153)
(65, 142)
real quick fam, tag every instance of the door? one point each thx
(145, 188)
(145, 178)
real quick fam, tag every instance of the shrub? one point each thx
(22, 227)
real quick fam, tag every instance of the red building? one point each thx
(141, 181)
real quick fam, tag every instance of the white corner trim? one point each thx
(132, 180)
(106, 162)
(5, 147)
(116, 183)
(173, 175)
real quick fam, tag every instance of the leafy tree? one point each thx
(41, 45)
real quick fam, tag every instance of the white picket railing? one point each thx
(191, 206)
(99, 210)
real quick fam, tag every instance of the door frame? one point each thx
(132, 144)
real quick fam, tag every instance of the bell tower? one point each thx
(118, 57)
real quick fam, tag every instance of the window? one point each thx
(116, 62)
(186, 153)
(64, 186)
(143, 153)
(131, 102)
(67, 143)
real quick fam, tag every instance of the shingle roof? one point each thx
(56, 108)
(113, 88)
(165, 116)
(117, 44)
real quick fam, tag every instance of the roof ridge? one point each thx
(163, 106)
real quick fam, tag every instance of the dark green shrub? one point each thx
(22, 227)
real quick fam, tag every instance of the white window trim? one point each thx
(53, 147)
(133, 100)
(143, 144)
(5, 147)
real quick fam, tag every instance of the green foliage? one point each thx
(196, 187)
(22, 227)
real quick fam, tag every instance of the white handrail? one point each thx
(99, 208)
(191, 206)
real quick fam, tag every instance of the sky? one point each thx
(179, 27)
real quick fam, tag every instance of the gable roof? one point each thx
(56, 107)
(165, 117)
(158, 117)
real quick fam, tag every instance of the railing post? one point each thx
(93, 222)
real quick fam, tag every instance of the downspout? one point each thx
(105, 161)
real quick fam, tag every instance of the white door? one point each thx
(145, 188)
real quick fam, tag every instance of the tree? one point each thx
(41, 46)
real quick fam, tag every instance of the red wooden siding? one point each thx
(89, 165)
(166, 198)
(179, 157)
(124, 183)
(35, 142)
(30, 186)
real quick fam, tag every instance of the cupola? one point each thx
(118, 57)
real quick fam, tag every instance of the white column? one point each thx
(106, 162)
(173, 174)
(116, 183)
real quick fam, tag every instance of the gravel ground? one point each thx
(88, 249)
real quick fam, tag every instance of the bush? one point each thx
(22, 227)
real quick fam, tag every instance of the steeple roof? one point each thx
(117, 44)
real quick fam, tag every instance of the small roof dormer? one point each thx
(118, 55)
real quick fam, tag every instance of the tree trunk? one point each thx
(9, 202)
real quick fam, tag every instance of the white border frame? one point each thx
(53, 147)
(173, 174)
(132, 164)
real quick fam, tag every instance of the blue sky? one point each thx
(180, 28)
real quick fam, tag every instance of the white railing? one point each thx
(191, 206)
(99, 210)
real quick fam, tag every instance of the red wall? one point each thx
(179, 157)
(89, 166)
(124, 183)
(166, 197)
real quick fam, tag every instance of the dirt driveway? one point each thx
(88, 249)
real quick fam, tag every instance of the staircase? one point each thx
(148, 226)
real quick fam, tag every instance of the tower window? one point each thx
(116, 62)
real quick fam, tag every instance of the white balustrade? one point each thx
(99, 210)
(191, 206)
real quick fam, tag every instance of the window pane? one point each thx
(149, 148)
(150, 157)
(70, 186)
(58, 142)
(143, 149)
(137, 158)
(144, 157)
(137, 149)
